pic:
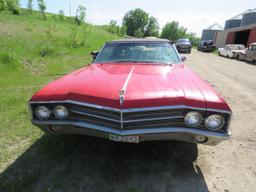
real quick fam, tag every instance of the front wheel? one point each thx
(254, 62)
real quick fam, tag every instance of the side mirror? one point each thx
(183, 58)
(94, 54)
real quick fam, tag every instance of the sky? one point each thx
(194, 15)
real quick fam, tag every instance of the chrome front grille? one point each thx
(127, 120)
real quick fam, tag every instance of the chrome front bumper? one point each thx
(151, 134)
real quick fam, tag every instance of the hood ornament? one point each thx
(123, 90)
(121, 97)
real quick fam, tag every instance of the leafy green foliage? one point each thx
(42, 7)
(3, 5)
(173, 31)
(48, 45)
(152, 28)
(13, 6)
(135, 20)
(61, 15)
(138, 22)
(138, 33)
(113, 27)
(80, 14)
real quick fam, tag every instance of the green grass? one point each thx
(24, 70)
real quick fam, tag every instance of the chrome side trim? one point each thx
(131, 109)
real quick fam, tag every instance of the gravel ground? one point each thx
(79, 163)
(230, 166)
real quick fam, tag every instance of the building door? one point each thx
(241, 37)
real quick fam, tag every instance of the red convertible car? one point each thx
(135, 90)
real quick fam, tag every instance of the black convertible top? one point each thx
(141, 40)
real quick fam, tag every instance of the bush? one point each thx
(16, 11)
(48, 48)
(138, 33)
(74, 36)
(13, 6)
(3, 5)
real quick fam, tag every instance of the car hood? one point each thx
(183, 44)
(141, 84)
(238, 51)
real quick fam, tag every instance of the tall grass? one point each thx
(34, 52)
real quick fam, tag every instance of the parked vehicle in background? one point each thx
(206, 46)
(231, 50)
(248, 54)
(184, 46)
(135, 90)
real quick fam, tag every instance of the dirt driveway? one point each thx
(230, 166)
(78, 163)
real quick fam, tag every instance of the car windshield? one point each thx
(138, 52)
(237, 47)
(183, 40)
(208, 42)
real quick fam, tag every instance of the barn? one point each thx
(240, 29)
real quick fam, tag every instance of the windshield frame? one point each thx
(140, 42)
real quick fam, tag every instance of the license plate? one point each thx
(125, 139)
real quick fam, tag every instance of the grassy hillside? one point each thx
(34, 52)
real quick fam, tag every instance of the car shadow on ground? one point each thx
(80, 163)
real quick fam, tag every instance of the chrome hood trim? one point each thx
(131, 109)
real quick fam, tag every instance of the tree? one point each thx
(123, 30)
(173, 31)
(13, 6)
(152, 28)
(80, 14)
(138, 33)
(61, 15)
(30, 6)
(113, 27)
(3, 5)
(136, 20)
(193, 38)
(42, 7)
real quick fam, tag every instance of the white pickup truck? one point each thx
(249, 54)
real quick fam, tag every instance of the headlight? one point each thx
(42, 113)
(214, 122)
(193, 119)
(60, 111)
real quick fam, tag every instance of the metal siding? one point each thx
(252, 37)
(221, 39)
(232, 23)
(209, 35)
(230, 38)
(248, 19)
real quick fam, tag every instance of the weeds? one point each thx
(9, 60)
(74, 42)
(48, 48)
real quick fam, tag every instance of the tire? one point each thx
(254, 62)
(189, 51)
(219, 53)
